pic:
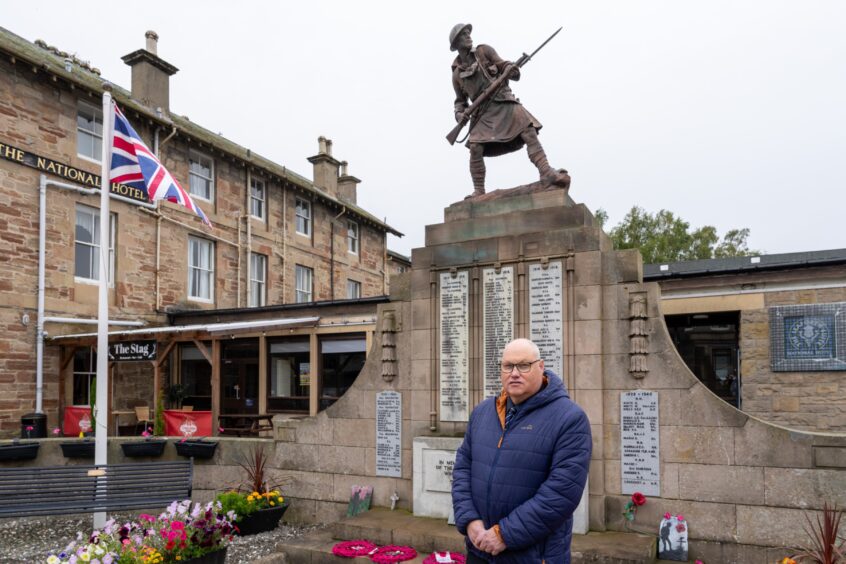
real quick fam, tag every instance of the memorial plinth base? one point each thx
(433, 460)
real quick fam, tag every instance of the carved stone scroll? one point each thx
(638, 335)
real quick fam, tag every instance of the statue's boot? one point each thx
(477, 171)
(548, 175)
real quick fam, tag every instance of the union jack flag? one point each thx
(135, 165)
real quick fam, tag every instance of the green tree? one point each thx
(665, 237)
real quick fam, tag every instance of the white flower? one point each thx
(52, 559)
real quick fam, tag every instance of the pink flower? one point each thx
(177, 525)
(699, 562)
(145, 433)
(29, 427)
(681, 528)
(679, 517)
(667, 515)
(57, 431)
(147, 517)
(220, 429)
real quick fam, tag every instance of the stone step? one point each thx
(382, 526)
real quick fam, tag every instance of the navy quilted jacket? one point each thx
(532, 481)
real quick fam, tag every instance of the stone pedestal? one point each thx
(433, 460)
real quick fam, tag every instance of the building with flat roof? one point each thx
(765, 333)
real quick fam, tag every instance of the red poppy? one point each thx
(638, 498)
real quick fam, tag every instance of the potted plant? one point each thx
(17, 450)
(83, 448)
(199, 535)
(150, 446)
(256, 506)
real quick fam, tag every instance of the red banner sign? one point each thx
(77, 419)
(187, 423)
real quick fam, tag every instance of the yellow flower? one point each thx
(85, 557)
(53, 559)
(271, 503)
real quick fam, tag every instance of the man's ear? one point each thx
(540, 363)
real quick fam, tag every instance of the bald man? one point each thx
(521, 470)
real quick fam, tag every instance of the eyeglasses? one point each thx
(522, 367)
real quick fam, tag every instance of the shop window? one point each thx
(195, 372)
(290, 376)
(341, 360)
(84, 374)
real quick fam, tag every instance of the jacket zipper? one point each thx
(493, 468)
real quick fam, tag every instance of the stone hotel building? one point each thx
(281, 293)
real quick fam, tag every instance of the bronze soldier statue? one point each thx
(501, 125)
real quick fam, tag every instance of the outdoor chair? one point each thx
(142, 414)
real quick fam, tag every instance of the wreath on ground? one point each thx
(445, 557)
(392, 553)
(353, 548)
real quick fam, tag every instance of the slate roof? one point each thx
(713, 267)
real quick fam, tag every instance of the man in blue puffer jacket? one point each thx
(521, 470)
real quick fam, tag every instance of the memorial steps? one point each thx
(383, 526)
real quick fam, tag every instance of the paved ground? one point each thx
(30, 540)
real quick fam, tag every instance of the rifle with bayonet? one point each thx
(481, 101)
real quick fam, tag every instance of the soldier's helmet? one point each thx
(453, 35)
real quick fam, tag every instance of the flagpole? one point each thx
(101, 401)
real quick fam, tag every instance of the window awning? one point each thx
(210, 328)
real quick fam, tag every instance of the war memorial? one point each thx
(531, 261)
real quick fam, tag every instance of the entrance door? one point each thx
(239, 377)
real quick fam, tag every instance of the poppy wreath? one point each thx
(353, 548)
(393, 553)
(455, 557)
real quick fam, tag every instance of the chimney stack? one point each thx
(347, 185)
(150, 74)
(326, 167)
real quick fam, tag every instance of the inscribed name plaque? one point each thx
(389, 434)
(498, 305)
(454, 361)
(639, 443)
(546, 314)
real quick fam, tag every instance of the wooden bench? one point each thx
(53, 490)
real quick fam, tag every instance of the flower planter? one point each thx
(18, 451)
(216, 557)
(79, 449)
(144, 448)
(197, 448)
(261, 521)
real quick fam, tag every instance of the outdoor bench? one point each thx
(52, 490)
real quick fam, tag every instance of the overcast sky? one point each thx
(728, 113)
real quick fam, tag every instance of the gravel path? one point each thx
(29, 540)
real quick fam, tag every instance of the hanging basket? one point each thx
(196, 448)
(144, 448)
(78, 449)
(18, 451)
(262, 520)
